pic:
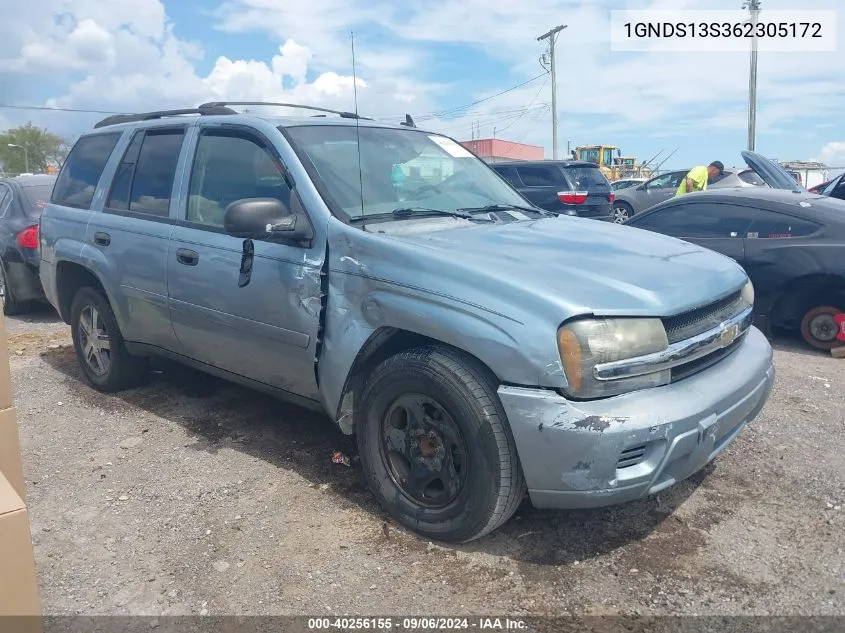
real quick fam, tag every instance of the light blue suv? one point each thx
(476, 345)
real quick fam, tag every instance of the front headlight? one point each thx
(585, 343)
(748, 293)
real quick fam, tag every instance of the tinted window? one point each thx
(155, 171)
(82, 170)
(771, 225)
(581, 178)
(509, 174)
(122, 183)
(537, 176)
(5, 199)
(697, 220)
(228, 168)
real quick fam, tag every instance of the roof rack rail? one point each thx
(345, 115)
(116, 119)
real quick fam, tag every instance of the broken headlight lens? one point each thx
(583, 344)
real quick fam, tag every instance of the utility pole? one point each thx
(552, 36)
(753, 7)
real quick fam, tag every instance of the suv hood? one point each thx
(579, 265)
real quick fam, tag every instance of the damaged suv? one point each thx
(477, 346)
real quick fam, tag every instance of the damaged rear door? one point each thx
(250, 307)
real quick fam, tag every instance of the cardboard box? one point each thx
(19, 583)
(11, 465)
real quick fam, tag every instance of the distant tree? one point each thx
(43, 148)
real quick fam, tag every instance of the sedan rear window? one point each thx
(589, 178)
(36, 198)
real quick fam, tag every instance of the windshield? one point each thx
(399, 169)
(590, 155)
(37, 197)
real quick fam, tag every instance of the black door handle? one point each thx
(187, 257)
(103, 239)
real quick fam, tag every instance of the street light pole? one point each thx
(25, 156)
(753, 7)
(551, 36)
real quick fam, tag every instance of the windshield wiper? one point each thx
(403, 212)
(504, 207)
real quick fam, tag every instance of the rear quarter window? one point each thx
(78, 179)
(537, 176)
(589, 178)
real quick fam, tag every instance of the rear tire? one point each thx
(99, 345)
(436, 447)
(819, 330)
(11, 305)
(622, 211)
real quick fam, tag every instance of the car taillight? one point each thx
(572, 197)
(28, 238)
(611, 197)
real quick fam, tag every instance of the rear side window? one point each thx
(509, 174)
(144, 179)
(5, 199)
(586, 178)
(82, 170)
(537, 176)
(697, 220)
(771, 225)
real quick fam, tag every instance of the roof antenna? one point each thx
(357, 131)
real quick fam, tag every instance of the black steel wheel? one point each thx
(435, 444)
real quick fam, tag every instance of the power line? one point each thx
(528, 107)
(443, 113)
(49, 109)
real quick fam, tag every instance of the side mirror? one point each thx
(641, 187)
(260, 218)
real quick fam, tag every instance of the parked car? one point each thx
(817, 188)
(789, 241)
(570, 187)
(21, 202)
(633, 200)
(477, 346)
(834, 188)
(624, 183)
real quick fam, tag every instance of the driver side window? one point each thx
(228, 167)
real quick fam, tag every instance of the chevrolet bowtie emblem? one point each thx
(728, 335)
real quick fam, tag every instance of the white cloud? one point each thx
(833, 154)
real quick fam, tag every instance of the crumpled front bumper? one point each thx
(603, 452)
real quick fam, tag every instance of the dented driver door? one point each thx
(250, 307)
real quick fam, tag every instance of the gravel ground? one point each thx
(192, 496)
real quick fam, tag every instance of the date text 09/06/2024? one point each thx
(417, 623)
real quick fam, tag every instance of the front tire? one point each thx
(622, 212)
(436, 446)
(99, 345)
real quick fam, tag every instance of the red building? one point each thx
(495, 150)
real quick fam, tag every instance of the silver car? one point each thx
(632, 200)
(477, 346)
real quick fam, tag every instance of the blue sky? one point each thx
(424, 58)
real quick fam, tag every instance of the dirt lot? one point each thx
(190, 495)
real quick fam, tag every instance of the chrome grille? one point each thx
(694, 322)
